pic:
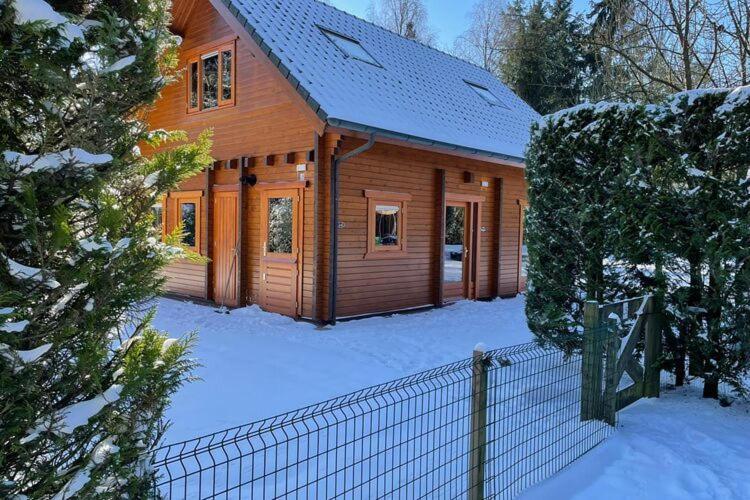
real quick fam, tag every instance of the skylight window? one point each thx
(486, 94)
(350, 47)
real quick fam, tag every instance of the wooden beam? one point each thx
(435, 149)
(270, 160)
(290, 158)
(312, 155)
(499, 186)
(209, 234)
(441, 185)
(241, 299)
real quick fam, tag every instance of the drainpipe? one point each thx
(333, 253)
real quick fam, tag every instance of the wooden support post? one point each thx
(652, 350)
(478, 439)
(240, 253)
(609, 401)
(591, 364)
(499, 237)
(207, 242)
(441, 186)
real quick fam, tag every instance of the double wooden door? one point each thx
(280, 224)
(460, 248)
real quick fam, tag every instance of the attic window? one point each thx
(211, 78)
(486, 94)
(350, 47)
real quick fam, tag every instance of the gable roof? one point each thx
(416, 93)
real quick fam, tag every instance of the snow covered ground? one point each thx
(257, 364)
(676, 447)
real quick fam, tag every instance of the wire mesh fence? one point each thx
(487, 427)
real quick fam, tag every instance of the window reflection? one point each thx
(386, 225)
(453, 250)
(280, 213)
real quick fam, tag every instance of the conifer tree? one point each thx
(627, 199)
(84, 377)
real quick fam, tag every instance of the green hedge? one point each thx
(628, 198)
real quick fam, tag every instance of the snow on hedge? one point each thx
(14, 326)
(25, 357)
(120, 64)
(22, 272)
(53, 162)
(100, 453)
(29, 11)
(71, 417)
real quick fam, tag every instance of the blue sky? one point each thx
(449, 18)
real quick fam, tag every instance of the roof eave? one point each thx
(366, 129)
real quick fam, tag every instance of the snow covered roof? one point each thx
(410, 91)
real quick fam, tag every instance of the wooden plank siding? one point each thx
(372, 285)
(268, 119)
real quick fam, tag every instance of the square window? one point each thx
(387, 218)
(386, 223)
(188, 217)
(350, 47)
(486, 94)
(210, 79)
(183, 208)
(280, 225)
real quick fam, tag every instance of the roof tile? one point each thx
(418, 92)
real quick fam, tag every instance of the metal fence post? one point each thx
(652, 350)
(478, 440)
(591, 363)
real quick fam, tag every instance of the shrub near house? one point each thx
(632, 197)
(84, 378)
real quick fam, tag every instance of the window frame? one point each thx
(176, 200)
(332, 35)
(522, 278)
(375, 198)
(197, 56)
(477, 88)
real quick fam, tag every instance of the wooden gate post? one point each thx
(478, 439)
(652, 350)
(591, 363)
(609, 401)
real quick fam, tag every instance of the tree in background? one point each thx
(84, 378)
(407, 18)
(535, 48)
(484, 41)
(647, 49)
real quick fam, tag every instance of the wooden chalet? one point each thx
(357, 172)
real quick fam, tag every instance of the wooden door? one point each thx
(225, 256)
(457, 250)
(461, 246)
(280, 251)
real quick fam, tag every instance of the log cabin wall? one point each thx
(268, 119)
(373, 285)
